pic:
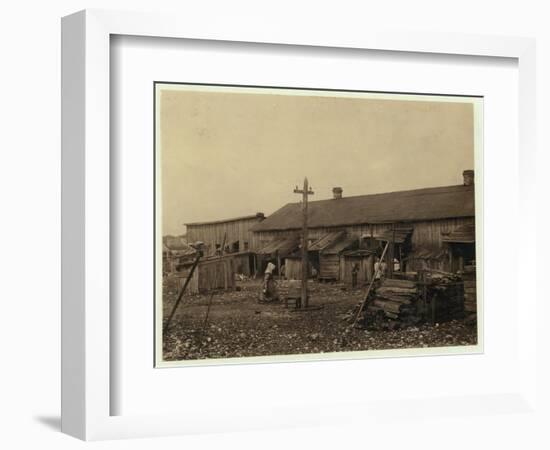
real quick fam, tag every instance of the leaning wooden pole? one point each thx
(366, 297)
(180, 296)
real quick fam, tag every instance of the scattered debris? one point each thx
(238, 327)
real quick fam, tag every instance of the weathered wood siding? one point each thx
(215, 274)
(242, 264)
(426, 235)
(235, 230)
(329, 266)
(264, 237)
(293, 269)
(366, 268)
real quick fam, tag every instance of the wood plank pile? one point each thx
(410, 276)
(445, 295)
(395, 300)
(397, 303)
(439, 277)
(449, 300)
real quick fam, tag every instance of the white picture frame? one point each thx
(86, 384)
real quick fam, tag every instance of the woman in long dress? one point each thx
(269, 291)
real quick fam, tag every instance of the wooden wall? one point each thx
(426, 235)
(215, 274)
(366, 268)
(242, 264)
(213, 233)
(293, 269)
(329, 266)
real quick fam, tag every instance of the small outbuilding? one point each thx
(329, 254)
(363, 259)
(293, 267)
(211, 274)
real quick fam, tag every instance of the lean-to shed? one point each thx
(277, 251)
(330, 248)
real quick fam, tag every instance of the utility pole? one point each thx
(305, 192)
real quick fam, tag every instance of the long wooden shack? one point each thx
(236, 232)
(419, 221)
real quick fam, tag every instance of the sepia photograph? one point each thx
(296, 224)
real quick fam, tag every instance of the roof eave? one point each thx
(373, 222)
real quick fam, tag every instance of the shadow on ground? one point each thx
(51, 422)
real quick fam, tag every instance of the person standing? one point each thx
(383, 270)
(354, 272)
(396, 265)
(380, 268)
(269, 292)
(376, 268)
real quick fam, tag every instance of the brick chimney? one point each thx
(468, 176)
(337, 192)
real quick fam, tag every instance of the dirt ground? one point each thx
(237, 326)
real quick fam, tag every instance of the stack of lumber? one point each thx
(449, 300)
(440, 277)
(410, 276)
(444, 295)
(396, 299)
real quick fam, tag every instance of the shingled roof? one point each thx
(402, 206)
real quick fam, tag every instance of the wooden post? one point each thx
(305, 192)
(434, 299)
(255, 272)
(391, 253)
(278, 265)
(424, 295)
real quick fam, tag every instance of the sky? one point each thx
(229, 152)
